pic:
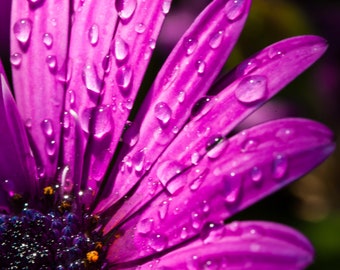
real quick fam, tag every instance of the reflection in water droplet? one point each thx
(190, 45)
(216, 40)
(121, 49)
(280, 165)
(252, 89)
(22, 30)
(91, 78)
(47, 40)
(234, 9)
(93, 34)
(162, 112)
(15, 59)
(125, 8)
(124, 77)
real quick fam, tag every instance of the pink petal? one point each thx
(38, 50)
(18, 169)
(248, 167)
(241, 245)
(185, 77)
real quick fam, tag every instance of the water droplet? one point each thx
(181, 96)
(93, 34)
(163, 209)
(35, 2)
(216, 39)
(8, 186)
(196, 220)
(168, 170)
(86, 198)
(131, 134)
(97, 120)
(28, 123)
(145, 225)
(124, 77)
(47, 40)
(247, 66)
(184, 233)
(16, 59)
(152, 186)
(256, 174)
(106, 63)
(64, 74)
(249, 145)
(166, 6)
(280, 165)
(200, 67)
(121, 49)
(233, 186)
(50, 148)
(140, 28)
(162, 112)
(91, 78)
(215, 140)
(199, 105)
(275, 53)
(190, 45)
(251, 89)
(285, 134)
(138, 160)
(158, 242)
(66, 120)
(198, 179)
(47, 127)
(51, 62)
(125, 8)
(234, 9)
(175, 129)
(195, 157)
(22, 30)
(216, 151)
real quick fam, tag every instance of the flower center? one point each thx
(53, 235)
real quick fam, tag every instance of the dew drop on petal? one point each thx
(138, 160)
(124, 77)
(121, 49)
(199, 105)
(140, 28)
(213, 142)
(35, 1)
(256, 174)
(162, 112)
(275, 53)
(280, 165)
(16, 59)
(158, 242)
(234, 9)
(166, 6)
(93, 34)
(131, 134)
(200, 67)
(8, 186)
(91, 78)
(51, 61)
(252, 89)
(190, 45)
(47, 127)
(196, 220)
(50, 147)
(216, 39)
(145, 225)
(181, 96)
(163, 209)
(246, 67)
(198, 179)
(47, 40)
(126, 8)
(216, 151)
(22, 30)
(106, 63)
(167, 170)
(195, 157)
(233, 186)
(249, 145)
(184, 233)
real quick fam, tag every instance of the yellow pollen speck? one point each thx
(98, 246)
(48, 190)
(92, 256)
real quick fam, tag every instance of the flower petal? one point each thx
(38, 48)
(213, 121)
(18, 172)
(185, 77)
(241, 245)
(248, 167)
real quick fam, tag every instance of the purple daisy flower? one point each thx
(91, 180)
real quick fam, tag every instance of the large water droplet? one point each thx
(106, 63)
(213, 141)
(163, 209)
(121, 49)
(51, 62)
(158, 242)
(252, 89)
(167, 170)
(97, 120)
(16, 59)
(234, 9)
(22, 30)
(216, 39)
(124, 77)
(190, 45)
(93, 34)
(91, 78)
(145, 225)
(166, 6)
(233, 186)
(162, 112)
(138, 160)
(47, 40)
(200, 67)
(131, 134)
(199, 105)
(47, 127)
(125, 8)
(280, 165)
